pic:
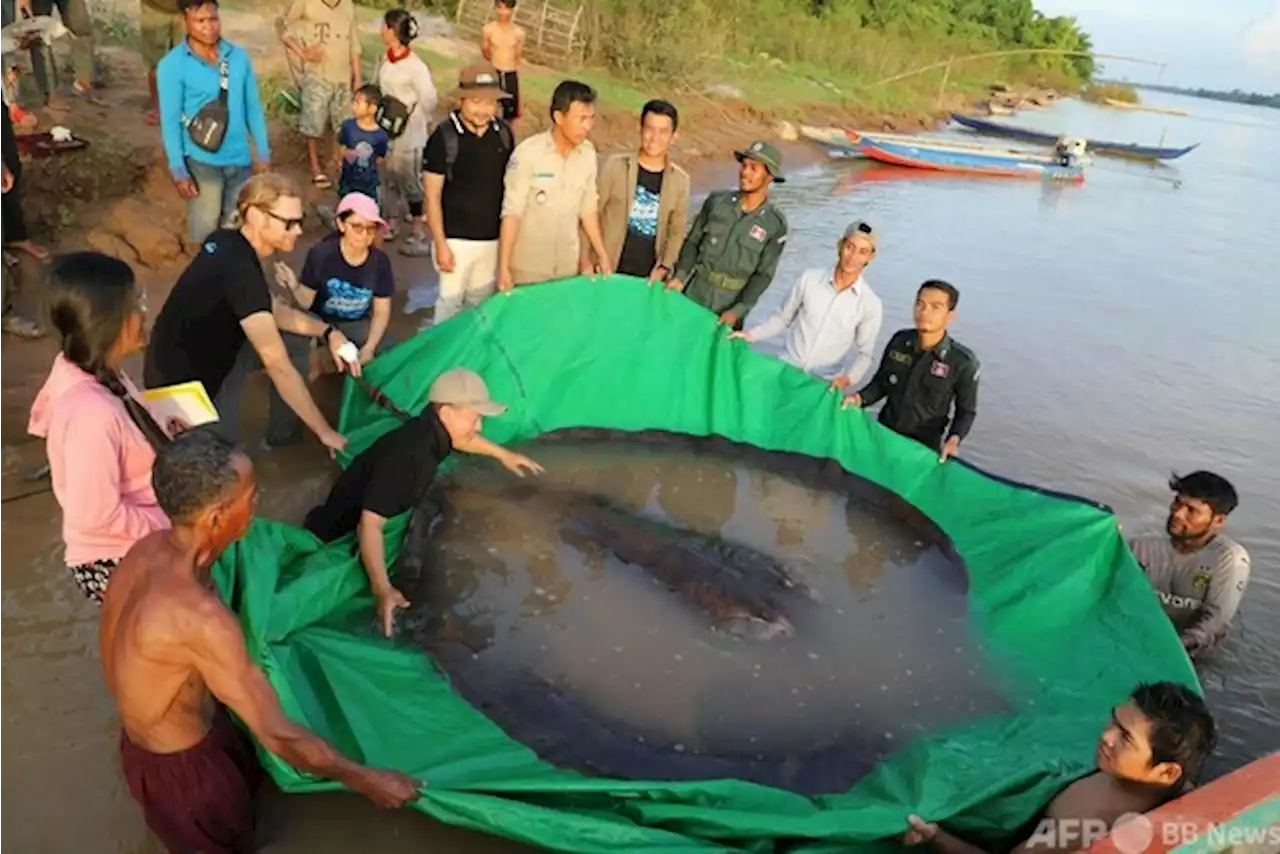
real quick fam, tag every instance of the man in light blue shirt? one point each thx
(188, 78)
(831, 318)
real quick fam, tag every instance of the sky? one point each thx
(1215, 44)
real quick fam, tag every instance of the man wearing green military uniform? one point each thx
(731, 252)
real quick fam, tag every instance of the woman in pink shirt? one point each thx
(99, 438)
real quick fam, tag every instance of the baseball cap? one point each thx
(466, 390)
(479, 81)
(362, 206)
(766, 153)
(860, 228)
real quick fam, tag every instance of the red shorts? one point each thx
(199, 800)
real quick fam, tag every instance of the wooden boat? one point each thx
(1146, 108)
(1117, 149)
(967, 159)
(845, 142)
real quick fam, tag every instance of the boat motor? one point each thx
(1070, 150)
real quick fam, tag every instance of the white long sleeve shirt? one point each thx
(828, 332)
(409, 81)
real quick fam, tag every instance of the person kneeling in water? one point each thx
(169, 647)
(1149, 753)
(393, 474)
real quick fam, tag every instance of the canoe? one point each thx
(967, 159)
(1146, 108)
(1117, 149)
(844, 142)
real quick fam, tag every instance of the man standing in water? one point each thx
(831, 316)
(732, 249)
(393, 474)
(1149, 753)
(174, 655)
(1199, 573)
(924, 373)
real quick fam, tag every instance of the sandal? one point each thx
(35, 250)
(22, 327)
(321, 181)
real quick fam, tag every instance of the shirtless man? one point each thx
(502, 43)
(169, 647)
(1150, 751)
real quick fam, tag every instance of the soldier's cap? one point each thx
(479, 81)
(466, 390)
(765, 153)
(861, 228)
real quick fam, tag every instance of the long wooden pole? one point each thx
(947, 63)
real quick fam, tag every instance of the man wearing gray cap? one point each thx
(831, 317)
(732, 249)
(393, 474)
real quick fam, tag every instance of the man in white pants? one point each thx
(463, 168)
(831, 318)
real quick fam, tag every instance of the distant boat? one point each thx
(1118, 149)
(965, 158)
(1146, 108)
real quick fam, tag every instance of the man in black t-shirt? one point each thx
(463, 169)
(393, 474)
(219, 324)
(644, 200)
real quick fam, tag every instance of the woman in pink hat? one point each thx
(346, 281)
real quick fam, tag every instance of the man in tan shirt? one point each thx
(549, 193)
(322, 35)
(644, 200)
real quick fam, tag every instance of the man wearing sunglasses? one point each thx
(831, 318)
(221, 323)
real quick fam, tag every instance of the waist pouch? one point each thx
(208, 127)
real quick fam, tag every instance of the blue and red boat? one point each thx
(966, 158)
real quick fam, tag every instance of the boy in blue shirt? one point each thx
(362, 145)
(188, 79)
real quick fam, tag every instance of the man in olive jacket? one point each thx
(644, 200)
(732, 249)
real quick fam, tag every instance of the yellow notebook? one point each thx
(187, 402)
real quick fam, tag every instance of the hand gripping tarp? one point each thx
(1062, 608)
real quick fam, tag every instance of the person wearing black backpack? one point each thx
(463, 169)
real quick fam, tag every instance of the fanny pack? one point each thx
(392, 115)
(208, 127)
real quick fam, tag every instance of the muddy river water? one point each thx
(1126, 329)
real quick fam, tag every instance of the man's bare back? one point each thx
(163, 701)
(503, 45)
(170, 647)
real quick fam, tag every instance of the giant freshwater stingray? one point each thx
(749, 599)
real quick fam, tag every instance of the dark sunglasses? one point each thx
(287, 222)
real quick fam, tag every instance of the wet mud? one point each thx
(676, 608)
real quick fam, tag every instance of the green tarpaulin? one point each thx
(1064, 613)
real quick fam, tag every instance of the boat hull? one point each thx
(1097, 146)
(968, 160)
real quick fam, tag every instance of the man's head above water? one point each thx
(461, 400)
(1159, 737)
(1201, 503)
(206, 486)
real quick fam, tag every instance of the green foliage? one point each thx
(1235, 96)
(866, 40)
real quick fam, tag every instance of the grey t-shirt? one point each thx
(1200, 590)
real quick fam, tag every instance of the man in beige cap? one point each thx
(393, 474)
(831, 317)
(462, 181)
